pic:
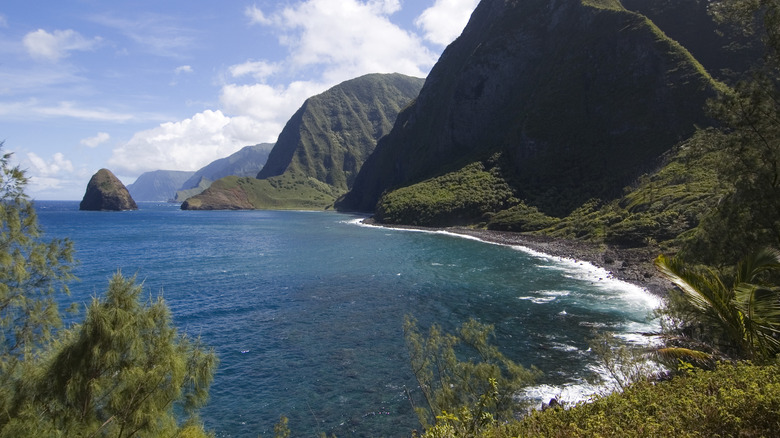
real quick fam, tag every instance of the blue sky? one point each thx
(135, 86)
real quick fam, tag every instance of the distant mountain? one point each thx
(321, 148)
(158, 185)
(550, 102)
(246, 162)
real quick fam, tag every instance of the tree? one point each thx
(729, 316)
(33, 274)
(748, 216)
(124, 371)
(472, 392)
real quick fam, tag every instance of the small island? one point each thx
(105, 192)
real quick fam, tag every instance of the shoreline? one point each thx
(632, 265)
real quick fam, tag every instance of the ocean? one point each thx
(305, 309)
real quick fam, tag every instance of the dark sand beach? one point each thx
(633, 265)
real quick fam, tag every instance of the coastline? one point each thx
(632, 265)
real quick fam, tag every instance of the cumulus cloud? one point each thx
(95, 141)
(349, 38)
(48, 168)
(186, 145)
(328, 41)
(445, 20)
(43, 45)
(259, 70)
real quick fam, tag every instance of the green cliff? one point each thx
(547, 102)
(321, 149)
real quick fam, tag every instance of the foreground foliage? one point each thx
(124, 371)
(733, 315)
(733, 400)
(463, 395)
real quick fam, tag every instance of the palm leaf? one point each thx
(685, 354)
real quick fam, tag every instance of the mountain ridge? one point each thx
(563, 91)
(321, 148)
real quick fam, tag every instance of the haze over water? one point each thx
(305, 309)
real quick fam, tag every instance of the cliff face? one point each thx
(320, 149)
(106, 193)
(333, 133)
(573, 98)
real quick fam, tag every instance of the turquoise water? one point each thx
(305, 309)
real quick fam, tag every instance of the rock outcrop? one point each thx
(106, 193)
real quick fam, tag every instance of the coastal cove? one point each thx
(305, 309)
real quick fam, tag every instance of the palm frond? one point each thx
(754, 264)
(685, 354)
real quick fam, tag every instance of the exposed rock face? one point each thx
(106, 193)
(577, 97)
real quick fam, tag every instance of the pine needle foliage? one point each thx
(124, 372)
(33, 274)
(474, 391)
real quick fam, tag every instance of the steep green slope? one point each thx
(576, 98)
(324, 144)
(244, 162)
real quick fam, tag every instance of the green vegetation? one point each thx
(124, 371)
(733, 400)
(462, 396)
(735, 315)
(456, 198)
(320, 150)
(291, 191)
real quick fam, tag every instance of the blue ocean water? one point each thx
(305, 309)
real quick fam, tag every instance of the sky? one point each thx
(142, 85)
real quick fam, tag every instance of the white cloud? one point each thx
(186, 145)
(259, 70)
(69, 109)
(55, 46)
(256, 16)
(349, 38)
(33, 109)
(183, 69)
(57, 165)
(3, 21)
(328, 41)
(95, 141)
(445, 20)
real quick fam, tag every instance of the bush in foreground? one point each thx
(733, 400)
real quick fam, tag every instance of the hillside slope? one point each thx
(321, 148)
(554, 102)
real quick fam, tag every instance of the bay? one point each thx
(305, 309)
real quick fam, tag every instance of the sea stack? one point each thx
(106, 193)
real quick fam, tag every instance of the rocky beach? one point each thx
(632, 265)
